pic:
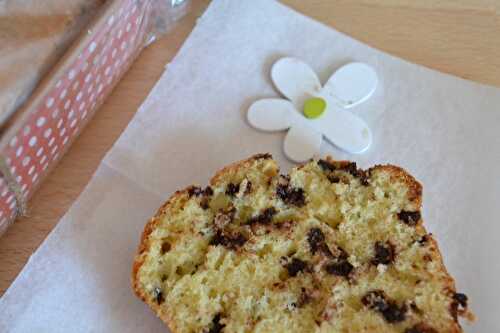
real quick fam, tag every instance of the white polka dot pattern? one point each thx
(50, 129)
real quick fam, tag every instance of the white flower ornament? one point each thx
(312, 111)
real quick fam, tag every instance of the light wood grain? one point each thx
(458, 37)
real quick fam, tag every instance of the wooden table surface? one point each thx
(454, 36)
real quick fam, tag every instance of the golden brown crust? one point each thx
(236, 166)
(399, 173)
(144, 247)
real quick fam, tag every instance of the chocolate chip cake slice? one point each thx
(327, 248)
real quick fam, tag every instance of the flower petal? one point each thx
(351, 84)
(295, 80)
(345, 130)
(302, 143)
(271, 114)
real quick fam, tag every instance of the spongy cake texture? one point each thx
(327, 248)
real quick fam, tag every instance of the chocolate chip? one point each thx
(295, 197)
(316, 238)
(295, 266)
(232, 189)
(339, 267)
(363, 178)
(378, 301)
(265, 217)
(208, 191)
(420, 328)
(158, 295)
(461, 299)
(384, 253)
(333, 179)
(239, 240)
(265, 156)
(291, 195)
(458, 305)
(424, 239)
(409, 218)
(194, 191)
(205, 201)
(351, 168)
(165, 247)
(282, 191)
(216, 326)
(326, 166)
(358, 173)
(229, 241)
(248, 189)
(394, 313)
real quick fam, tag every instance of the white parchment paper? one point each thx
(444, 130)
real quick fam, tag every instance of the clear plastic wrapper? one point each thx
(82, 50)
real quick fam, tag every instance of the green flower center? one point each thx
(314, 107)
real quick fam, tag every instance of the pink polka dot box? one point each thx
(42, 130)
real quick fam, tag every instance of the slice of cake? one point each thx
(327, 248)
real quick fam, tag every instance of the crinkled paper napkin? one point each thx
(444, 130)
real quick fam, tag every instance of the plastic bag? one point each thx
(36, 135)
